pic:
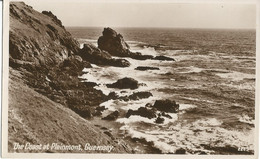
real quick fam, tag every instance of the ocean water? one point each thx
(213, 80)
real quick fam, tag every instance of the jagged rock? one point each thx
(139, 56)
(159, 120)
(90, 84)
(97, 113)
(163, 58)
(112, 116)
(36, 38)
(94, 55)
(142, 111)
(101, 108)
(144, 68)
(140, 95)
(74, 65)
(166, 106)
(54, 17)
(180, 151)
(113, 95)
(108, 32)
(124, 83)
(115, 44)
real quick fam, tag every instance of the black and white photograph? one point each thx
(130, 78)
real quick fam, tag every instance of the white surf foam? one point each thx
(236, 76)
(83, 41)
(246, 119)
(191, 136)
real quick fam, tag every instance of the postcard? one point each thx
(130, 79)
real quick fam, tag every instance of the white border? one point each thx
(120, 156)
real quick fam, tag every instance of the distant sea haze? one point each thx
(212, 78)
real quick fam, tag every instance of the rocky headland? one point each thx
(48, 102)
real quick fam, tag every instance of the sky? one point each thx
(148, 14)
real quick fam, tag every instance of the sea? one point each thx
(212, 79)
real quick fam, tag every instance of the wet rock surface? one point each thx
(137, 96)
(142, 111)
(124, 83)
(94, 55)
(112, 116)
(159, 120)
(164, 58)
(166, 106)
(144, 68)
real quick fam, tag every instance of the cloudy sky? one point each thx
(150, 14)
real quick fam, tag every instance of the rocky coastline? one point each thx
(46, 60)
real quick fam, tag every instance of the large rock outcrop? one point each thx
(95, 55)
(143, 112)
(125, 83)
(166, 106)
(114, 43)
(38, 38)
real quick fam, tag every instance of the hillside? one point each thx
(47, 102)
(35, 119)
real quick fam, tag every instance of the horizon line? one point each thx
(157, 27)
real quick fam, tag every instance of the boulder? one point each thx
(142, 111)
(163, 58)
(139, 56)
(112, 116)
(140, 95)
(166, 106)
(124, 83)
(180, 151)
(97, 113)
(101, 108)
(144, 68)
(159, 120)
(112, 95)
(74, 65)
(136, 96)
(94, 55)
(90, 84)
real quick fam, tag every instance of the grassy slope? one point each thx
(36, 119)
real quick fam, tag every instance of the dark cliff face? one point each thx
(38, 38)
